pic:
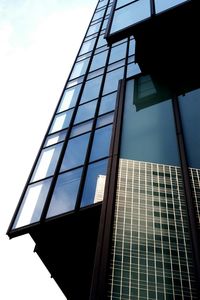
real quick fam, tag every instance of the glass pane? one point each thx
(91, 89)
(61, 121)
(81, 128)
(98, 14)
(122, 2)
(163, 5)
(98, 60)
(65, 193)
(75, 152)
(107, 103)
(189, 109)
(47, 162)
(112, 80)
(55, 138)
(69, 98)
(102, 41)
(94, 184)
(79, 68)
(33, 203)
(87, 46)
(101, 143)
(117, 53)
(130, 14)
(94, 28)
(132, 70)
(131, 50)
(85, 112)
(105, 119)
(148, 134)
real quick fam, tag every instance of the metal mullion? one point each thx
(188, 192)
(56, 173)
(44, 139)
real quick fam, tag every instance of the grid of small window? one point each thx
(151, 254)
(195, 185)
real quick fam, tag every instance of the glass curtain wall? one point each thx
(71, 166)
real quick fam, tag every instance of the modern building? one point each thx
(113, 198)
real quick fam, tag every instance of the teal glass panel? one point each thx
(148, 134)
(189, 109)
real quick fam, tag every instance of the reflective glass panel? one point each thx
(94, 28)
(98, 60)
(61, 121)
(91, 89)
(189, 109)
(87, 46)
(65, 193)
(69, 98)
(55, 138)
(33, 203)
(112, 80)
(130, 14)
(107, 103)
(105, 119)
(47, 162)
(163, 5)
(117, 53)
(148, 134)
(95, 183)
(85, 112)
(132, 70)
(101, 143)
(79, 68)
(75, 152)
(102, 41)
(81, 128)
(122, 2)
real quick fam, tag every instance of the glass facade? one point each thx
(151, 132)
(129, 13)
(77, 145)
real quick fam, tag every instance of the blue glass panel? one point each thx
(79, 68)
(33, 203)
(91, 89)
(61, 121)
(163, 5)
(94, 184)
(69, 98)
(75, 152)
(87, 46)
(112, 80)
(190, 108)
(85, 112)
(148, 134)
(101, 143)
(107, 103)
(47, 162)
(130, 15)
(98, 60)
(105, 120)
(117, 53)
(65, 193)
(55, 138)
(81, 128)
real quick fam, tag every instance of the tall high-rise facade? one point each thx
(113, 198)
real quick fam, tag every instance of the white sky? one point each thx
(39, 40)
